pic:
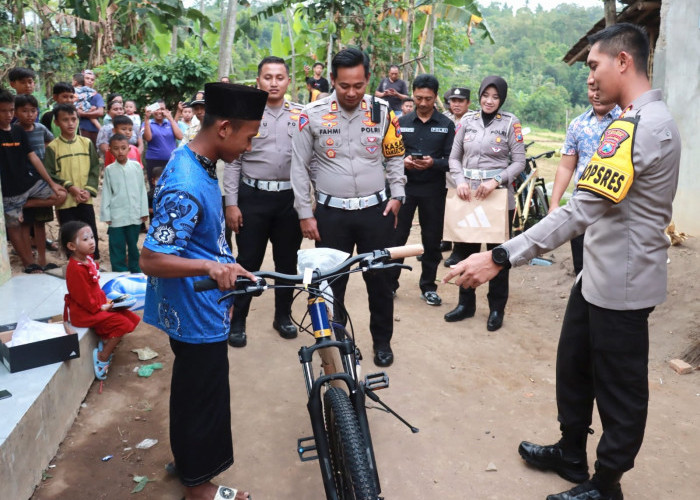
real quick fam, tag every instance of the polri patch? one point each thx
(518, 130)
(303, 122)
(611, 141)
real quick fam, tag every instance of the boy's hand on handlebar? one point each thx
(473, 271)
(393, 206)
(234, 218)
(464, 191)
(225, 274)
(309, 229)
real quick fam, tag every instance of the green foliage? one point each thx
(172, 78)
(528, 53)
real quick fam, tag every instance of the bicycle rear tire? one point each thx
(353, 476)
(539, 207)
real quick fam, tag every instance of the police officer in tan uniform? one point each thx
(487, 153)
(623, 202)
(350, 135)
(260, 201)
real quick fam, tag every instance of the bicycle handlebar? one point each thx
(374, 260)
(546, 154)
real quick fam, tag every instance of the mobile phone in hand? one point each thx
(153, 107)
(417, 156)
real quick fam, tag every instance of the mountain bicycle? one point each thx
(531, 200)
(341, 436)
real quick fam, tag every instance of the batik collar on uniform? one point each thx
(209, 165)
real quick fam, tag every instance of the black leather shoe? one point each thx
(383, 356)
(552, 458)
(495, 321)
(445, 246)
(285, 327)
(459, 313)
(588, 491)
(236, 336)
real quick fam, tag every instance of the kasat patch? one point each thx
(330, 153)
(329, 116)
(303, 122)
(610, 172)
(611, 141)
(518, 130)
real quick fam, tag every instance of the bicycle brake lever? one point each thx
(396, 264)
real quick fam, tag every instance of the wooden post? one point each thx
(610, 12)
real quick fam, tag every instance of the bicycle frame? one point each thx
(521, 213)
(323, 332)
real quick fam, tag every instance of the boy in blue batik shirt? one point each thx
(186, 242)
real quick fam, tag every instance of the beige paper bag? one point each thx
(482, 221)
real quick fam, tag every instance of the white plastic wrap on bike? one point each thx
(322, 259)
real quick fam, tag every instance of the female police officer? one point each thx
(487, 147)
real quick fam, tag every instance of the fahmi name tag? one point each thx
(610, 172)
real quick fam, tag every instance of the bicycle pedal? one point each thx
(303, 447)
(377, 381)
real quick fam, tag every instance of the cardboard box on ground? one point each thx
(35, 354)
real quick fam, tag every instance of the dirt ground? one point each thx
(474, 395)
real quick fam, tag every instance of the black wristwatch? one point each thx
(401, 199)
(501, 257)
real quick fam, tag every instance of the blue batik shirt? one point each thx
(583, 136)
(188, 221)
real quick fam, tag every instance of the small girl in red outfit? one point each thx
(86, 303)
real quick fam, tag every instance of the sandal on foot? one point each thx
(226, 493)
(100, 367)
(33, 269)
(100, 347)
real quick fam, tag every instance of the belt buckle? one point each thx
(354, 204)
(273, 186)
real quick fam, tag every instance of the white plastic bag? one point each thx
(322, 259)
(28, 331)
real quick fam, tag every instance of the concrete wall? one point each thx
(677, 72)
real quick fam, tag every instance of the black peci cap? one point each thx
(232, 101)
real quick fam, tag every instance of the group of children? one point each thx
(46, 164)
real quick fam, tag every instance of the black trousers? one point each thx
(267, 216)
(498, 286)
(431, 215)
(577, 253)
(200, 411)
(603, 356)
(83, 212)
(366, 230)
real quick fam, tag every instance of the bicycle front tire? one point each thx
(348, 449)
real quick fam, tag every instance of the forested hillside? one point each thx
(528, 54)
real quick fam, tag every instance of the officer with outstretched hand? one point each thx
(623, 202)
